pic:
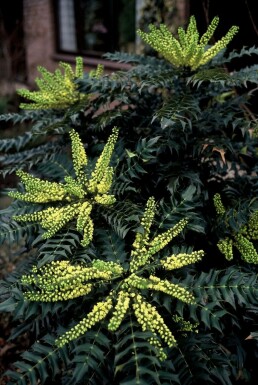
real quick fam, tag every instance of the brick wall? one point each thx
(39, 38)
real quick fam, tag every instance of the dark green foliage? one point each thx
(40, 363)
(13, 232)
(184, 136)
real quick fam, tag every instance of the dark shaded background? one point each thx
(243, 13)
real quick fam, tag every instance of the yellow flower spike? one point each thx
(60, 281)
(225, 246)
(56, 90)
(98, 72)
(192, 34)
(171, 289)
(79, 68)
(77, 194)
(38, 191)
(84, 215)
(185, 326)
(105, 199)
(63, 280)
(136, 282)
(68, 74)
(176, 261)
(143, 248)
(140, 255)
(240, 239)
(109, 266)
(250, 230)
(38, 197)
(87, 232)
(210, 32)
(146, 222)
(72, 187)
(161, 240)
(154, 341)
(33, 184)
(222, 43)
(150, 319)
(122, 305)
(105, 184)
(155, 283)
(246, 248)
(53, 296)
(182, 37)
(79, 156)
(188, 50)
(58, 218)
(98, 313)
(99, 172)
(37, 216)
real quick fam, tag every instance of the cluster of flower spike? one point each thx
(225, 246)
(189, 50)
(76, 196)
(250, 231)
(62, 281)
(57, 90)
(143, 247)
(150, 319)
(241, 240)
(184, 325)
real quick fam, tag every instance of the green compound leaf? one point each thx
(213, 75)
(38, 363)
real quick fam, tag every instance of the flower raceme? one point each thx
(57, 90)
(73, 198)
(242, 240)
(188, 50)
(61, 281)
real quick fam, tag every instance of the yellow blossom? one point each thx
(188, 50)
(76, 195)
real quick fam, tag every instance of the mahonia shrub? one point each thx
(134, 219)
